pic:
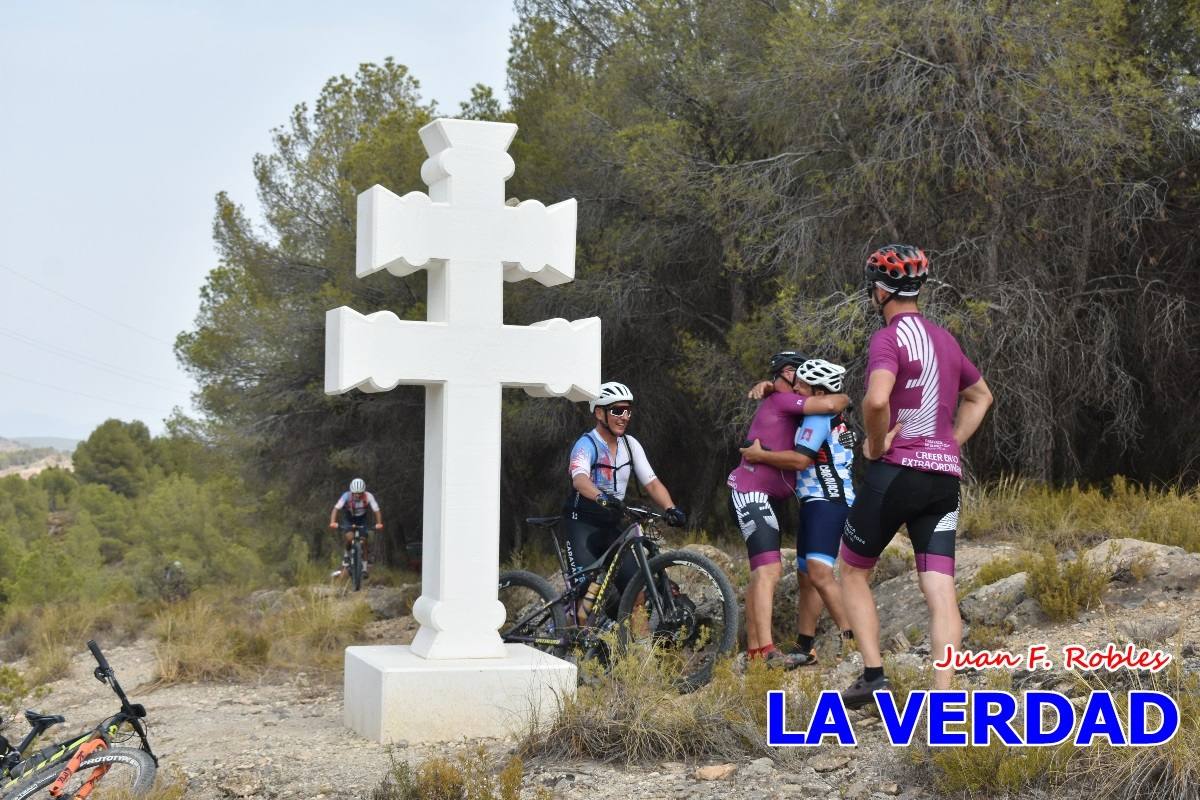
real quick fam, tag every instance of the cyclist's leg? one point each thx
(872, 523)
(755, 517)
(933, 533)
(584, 543)
(822, 522)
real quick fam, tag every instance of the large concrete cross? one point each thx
(468, 240)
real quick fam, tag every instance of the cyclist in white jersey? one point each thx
(354, 505)
(601, 462)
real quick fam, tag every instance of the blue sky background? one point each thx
(119, 123)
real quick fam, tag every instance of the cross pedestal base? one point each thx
(392, 694)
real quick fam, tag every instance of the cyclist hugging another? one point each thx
(354, 506)
(822, 457)
(756, 490)
(601, 462)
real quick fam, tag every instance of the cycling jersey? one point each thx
(930, 371)
(591, 456)
(828, 477)
(774, 425)
(915, 484)
(357, 506)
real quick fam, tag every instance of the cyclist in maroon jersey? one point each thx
(756, 490)
(924, 400)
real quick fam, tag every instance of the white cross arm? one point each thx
(376, 352)
(401, 234)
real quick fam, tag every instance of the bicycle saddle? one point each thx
(543, 522)
(43, 721)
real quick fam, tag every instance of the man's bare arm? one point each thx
(877, 409)
(827, 404)
(976, 399)
(781, 459)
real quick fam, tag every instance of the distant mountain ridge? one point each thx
(59, 443)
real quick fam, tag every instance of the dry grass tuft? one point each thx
(208, 640)
(636, 714)
(469, 777)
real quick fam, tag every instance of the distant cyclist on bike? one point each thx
(354, 506)
(600, 465)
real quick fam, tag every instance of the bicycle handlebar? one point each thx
(100, 659)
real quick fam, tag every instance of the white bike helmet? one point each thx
(611, 392)
(819, 372)
(358, 485)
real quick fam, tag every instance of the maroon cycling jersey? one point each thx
(930, 371)
(774, 425)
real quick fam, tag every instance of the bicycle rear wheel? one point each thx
(697, 622)
(533, 612)
(130, 774)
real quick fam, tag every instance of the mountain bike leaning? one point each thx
(74, 767)
(679, 602)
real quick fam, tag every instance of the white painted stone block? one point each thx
(392, 694)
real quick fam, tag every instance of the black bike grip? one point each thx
(100, 659)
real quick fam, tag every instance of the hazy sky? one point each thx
(119, 122)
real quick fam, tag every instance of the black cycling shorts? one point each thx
(756, 516)
(586, 537)
(891, 496)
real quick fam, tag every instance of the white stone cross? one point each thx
(468, 240)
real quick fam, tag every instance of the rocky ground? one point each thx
(283, 737)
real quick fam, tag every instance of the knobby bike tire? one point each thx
(129, 768)
(356, 567)
(548, 623)
(702, 593)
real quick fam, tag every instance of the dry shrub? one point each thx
(1074, 515)
(203, 639)
(635, 714)
(469, 777)
(1064, 589)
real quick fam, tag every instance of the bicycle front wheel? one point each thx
(533, 612)
(690, 619)
(356, 565)
(130, 773)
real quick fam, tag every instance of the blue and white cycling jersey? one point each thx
(828, 477)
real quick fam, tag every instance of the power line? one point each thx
(86, 307)
(80, 394)
(63, 352)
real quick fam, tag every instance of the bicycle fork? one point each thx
(85, 750)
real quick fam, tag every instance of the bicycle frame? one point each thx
(70, 750)
(578, 581)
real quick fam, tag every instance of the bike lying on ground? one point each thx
(679, 602)
(74, 767)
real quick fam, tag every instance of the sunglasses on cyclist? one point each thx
(621, 411)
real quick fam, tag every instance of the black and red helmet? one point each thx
(898, 268)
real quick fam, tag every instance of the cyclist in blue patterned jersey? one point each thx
(822, 461)
(600, 464)
(354, 506)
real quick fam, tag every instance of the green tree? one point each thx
(117, 455)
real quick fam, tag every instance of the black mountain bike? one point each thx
(680, 603)
(74, 767)
(354, 559)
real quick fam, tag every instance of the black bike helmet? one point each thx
(785, 358)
